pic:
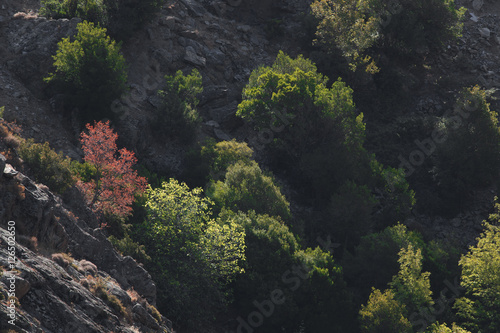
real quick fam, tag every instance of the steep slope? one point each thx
(100, 292)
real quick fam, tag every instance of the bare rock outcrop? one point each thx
(56, 292)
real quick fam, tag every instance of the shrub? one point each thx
(223, 154)
(90, 71)
(98, 286)
(443, 328)
(383, 314)
(247, 188)
(47, 166)
(177, 116)
(120, 17)
(127, 247)
(89, 10)
(481, 280)
(154, 312)
(470, 156)
(405, 26)
(64, 260)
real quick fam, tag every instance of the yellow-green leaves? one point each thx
(481, 280)
(383, 314)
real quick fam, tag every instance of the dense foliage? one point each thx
(90, 71)
(481, 280)
(470, 155)
(120, 17)
(47, 166)
(177, 116)
(247, 188)
(242, 247)
(405, 27)
(193, 255)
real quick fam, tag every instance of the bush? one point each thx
(120, 17)
(375, 259)
(177, 116)
(89, 10)
(90, 71)
(47, 166)
(384, 314)
(246, 188)
(317, 128)
(127, 247)
(406, 26)
(470, 155)
(99, 287)
(480, 278)
(223, 154)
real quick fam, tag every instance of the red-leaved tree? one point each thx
(112, 190)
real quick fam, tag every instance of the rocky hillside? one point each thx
(68, 277)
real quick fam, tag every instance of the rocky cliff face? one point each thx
(94, 289)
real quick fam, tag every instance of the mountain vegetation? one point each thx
(298, 210)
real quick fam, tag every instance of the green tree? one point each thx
(269, 253)
(89, 10)
(374, 261)
(384, 314)
(323, 299)
(481, 280)
(193, 256)
(177, 116)
(291, 95)
(405, 27)
(246, 188)
(443, 328)
(311, 283)
(470, 156)
(90, 71)
(348, 24)
(350, 211)
(412, 287)
(223, 154)
(317, 128)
